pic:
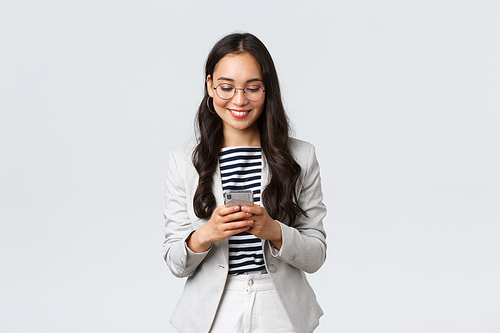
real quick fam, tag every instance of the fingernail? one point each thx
(248, 214)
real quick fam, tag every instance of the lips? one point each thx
(239, 113)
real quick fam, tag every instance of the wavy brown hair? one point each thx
(279, 197)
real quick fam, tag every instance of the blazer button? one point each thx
(272, 268)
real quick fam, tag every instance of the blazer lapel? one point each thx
(264, 176)
(217, 187)
(264, 181)
(219, 199)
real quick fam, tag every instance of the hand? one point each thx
(224, 222)
(263, 226)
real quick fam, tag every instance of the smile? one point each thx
(239, 113)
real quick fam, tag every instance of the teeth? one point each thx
(239, 113)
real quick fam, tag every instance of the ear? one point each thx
(209, 86)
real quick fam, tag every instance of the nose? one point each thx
(239, 98)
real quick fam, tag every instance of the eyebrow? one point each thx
(231, 80)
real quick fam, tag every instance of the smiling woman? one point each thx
(245, 265)
(239, 115)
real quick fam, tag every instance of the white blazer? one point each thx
(303, 248)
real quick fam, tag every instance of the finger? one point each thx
(238, 224)
(256, 209)
(228, 210)
(238, 216)
(237, 231)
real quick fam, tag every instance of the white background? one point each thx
(401, 99)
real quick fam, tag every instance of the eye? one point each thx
(226, 87)
(252, 89)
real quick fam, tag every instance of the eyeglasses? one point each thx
(227, 91)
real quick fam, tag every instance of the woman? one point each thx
(245, 265)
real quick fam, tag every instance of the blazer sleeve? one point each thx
(304, 243)
(181, 261)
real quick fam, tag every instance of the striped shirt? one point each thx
(241, 169)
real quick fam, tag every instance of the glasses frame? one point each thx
(244, 93)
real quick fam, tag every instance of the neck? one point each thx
(248, 138)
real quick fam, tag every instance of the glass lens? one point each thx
(225, 90)
(253, 93)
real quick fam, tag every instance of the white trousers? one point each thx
(250, 304)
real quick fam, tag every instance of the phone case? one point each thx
(238, 198)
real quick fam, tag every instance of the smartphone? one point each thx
(238, 198)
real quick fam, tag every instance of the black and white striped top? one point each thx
(241, 169)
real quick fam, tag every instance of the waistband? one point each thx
(256, 282)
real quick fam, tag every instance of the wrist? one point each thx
(277, 239)
(196, 242)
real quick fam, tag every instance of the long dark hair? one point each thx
(279, 197)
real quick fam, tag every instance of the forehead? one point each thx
(238, 67)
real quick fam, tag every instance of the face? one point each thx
(238, 114)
